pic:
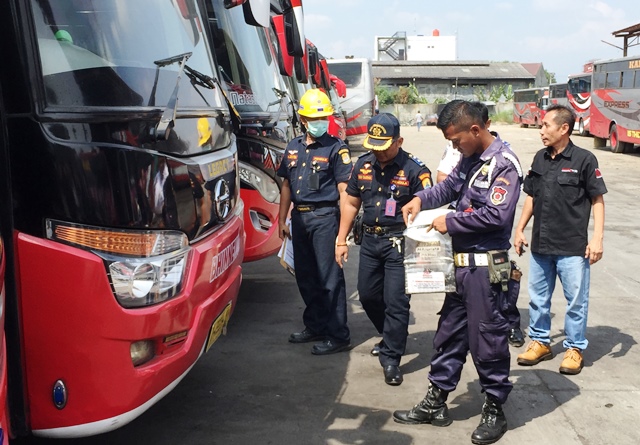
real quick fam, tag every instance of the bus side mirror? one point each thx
(294, 29)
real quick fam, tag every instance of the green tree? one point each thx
(551, 77)
(480, 93)
(508, 93)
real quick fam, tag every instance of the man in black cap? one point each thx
(383, 180)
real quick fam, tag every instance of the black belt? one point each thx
(311, 206)
(383, 230)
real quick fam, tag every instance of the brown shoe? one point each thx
(535, 353)
(572, 362)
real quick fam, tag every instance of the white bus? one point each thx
(359, 103)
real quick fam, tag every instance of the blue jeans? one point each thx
(574, 277)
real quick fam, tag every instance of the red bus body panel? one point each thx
(260, 244)
(610, 106)
(527, 114)
(66, 298)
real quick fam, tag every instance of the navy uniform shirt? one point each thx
(328, 157)
(402, 178)
(562, 189)
(487, 187)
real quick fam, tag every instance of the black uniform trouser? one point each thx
(381, 290)
(512, 312)
(320, 279)
(473, 319)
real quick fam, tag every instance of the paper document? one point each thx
(286, 252)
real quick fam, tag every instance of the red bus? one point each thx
(579, 97)
(119, 208)
(249, 66)
(615, 103)
(359, 100)
(529, 106)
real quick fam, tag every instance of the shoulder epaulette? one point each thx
(416, 160)
(511, 158)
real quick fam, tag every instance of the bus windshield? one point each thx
(246, 62)
(110, 53)
(350, 73)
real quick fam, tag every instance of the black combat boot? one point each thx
(432, 409)
(493, 423)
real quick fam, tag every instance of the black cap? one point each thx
(382, 129)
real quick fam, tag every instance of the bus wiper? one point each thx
(168, 117)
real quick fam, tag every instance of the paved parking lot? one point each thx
(253, 387)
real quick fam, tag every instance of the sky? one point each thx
(562, 34)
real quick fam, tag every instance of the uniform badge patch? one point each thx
(425, 178)
(498, 195)
(598, 174)
(344, 155)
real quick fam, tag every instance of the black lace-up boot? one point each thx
(432, 409)
(493, 423)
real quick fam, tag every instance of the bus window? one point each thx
(627, 79)
(613, 80)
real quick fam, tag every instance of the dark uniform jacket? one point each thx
(487, 188)
(402, 178)
(328, 158)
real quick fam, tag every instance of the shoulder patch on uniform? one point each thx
(344, 155)
(416, 160)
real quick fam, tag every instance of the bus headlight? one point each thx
(146, 267)
(142, 282)
(259, 180)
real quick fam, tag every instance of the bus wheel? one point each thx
(581, 130)
(617, 146)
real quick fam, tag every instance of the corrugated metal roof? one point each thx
(450, 70)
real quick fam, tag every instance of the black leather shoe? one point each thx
(392, 375)
(330, 347)
(305, 336)
(516, 337)
(376, 348)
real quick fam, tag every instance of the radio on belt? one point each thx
(428, 256)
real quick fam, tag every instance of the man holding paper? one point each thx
(486, 184)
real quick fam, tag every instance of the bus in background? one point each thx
(579, 97)
(615, 103)
(119, 208)
(529, 106)
(249, 70)
(359, 102)
(558, 94)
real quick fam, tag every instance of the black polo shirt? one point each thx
(562, 189)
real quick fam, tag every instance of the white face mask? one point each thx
(317, 128)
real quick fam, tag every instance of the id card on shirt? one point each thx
(390, 207)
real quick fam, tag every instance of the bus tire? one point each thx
(581, 130)
(617, 146)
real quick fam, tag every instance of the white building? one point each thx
(416, 48)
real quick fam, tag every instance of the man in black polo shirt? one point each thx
(564, 182)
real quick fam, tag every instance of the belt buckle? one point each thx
(378, 230)
(462, 260)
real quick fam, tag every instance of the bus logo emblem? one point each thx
(222, 199)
